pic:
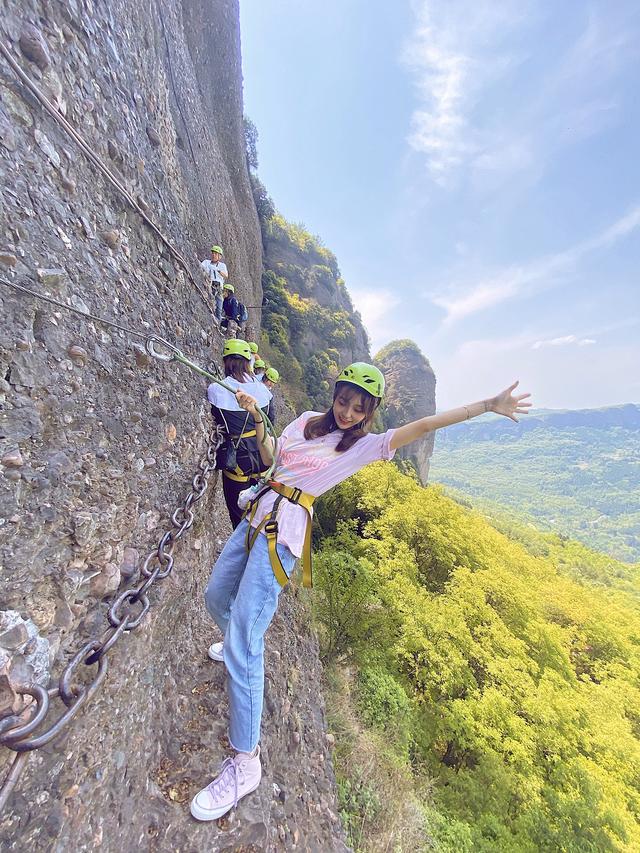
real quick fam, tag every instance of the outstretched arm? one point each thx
(504, 403)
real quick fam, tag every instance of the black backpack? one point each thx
(243, 314)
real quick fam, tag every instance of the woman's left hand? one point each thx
(247, 402)
(508, 404)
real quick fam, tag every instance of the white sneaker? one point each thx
(238, 777)
(215, 651)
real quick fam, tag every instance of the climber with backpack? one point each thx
(238, 456)
(215, 270)
(314, 453)
(235, 312)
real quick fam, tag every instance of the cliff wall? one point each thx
(312, 329)
(410, 394)
(100, 443)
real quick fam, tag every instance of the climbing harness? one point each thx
(269, 526)
(231, 470)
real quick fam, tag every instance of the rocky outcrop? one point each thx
(100, 442)
(410, 394)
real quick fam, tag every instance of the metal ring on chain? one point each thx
(128, 595)
(41, 698)
(188, 518)
(142, 588)
(55, 728)
(68, 693)
(153, 555)
(112, 636)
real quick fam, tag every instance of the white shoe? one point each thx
(215, 651)
(238, 777)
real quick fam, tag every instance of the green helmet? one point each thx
(217, 249)
(259, 362)
(272, 374)
(227, 286)
(236, 346)
(365, 376)
(253, 346)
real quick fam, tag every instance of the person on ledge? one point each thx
(271, 378)
(238, 457)
(253, 346)
(215, 271)
(229, 308)
(315, 452)
(259, 367)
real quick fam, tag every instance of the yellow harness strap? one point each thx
(239, 478)
(269, 525)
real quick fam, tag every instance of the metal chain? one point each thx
(15, 731)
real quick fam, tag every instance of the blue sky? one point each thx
(475, 167)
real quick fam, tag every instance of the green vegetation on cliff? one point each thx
(492, 671)
(299, 329)
(483, 679)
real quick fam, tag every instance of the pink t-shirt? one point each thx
(314, 466)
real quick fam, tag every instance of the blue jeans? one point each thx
(218, 309)
(242, 596)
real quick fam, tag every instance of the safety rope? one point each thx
(175, 355)
(84, 314)
(100, 165)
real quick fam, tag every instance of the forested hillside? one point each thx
(310, 325)
(482, 679)
(485, 690)
(574, 473)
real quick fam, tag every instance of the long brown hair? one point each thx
(236, 366)
(324, 424)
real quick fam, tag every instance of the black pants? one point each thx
(231, 489)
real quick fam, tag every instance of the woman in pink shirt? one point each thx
(315, 452)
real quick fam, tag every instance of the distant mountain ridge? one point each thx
(626, 416)
(576, 473)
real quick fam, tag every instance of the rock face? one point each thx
(410, 394)
(311, 272)
(99, 442)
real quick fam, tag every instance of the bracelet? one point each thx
(467, 411)
(258, 422)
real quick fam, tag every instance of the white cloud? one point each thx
(376, 310)
(462, 301)
(454, 52)
(459, 54)
(557, 377)
(563, 341)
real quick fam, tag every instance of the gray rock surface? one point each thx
(410, 394)
(98, 442)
